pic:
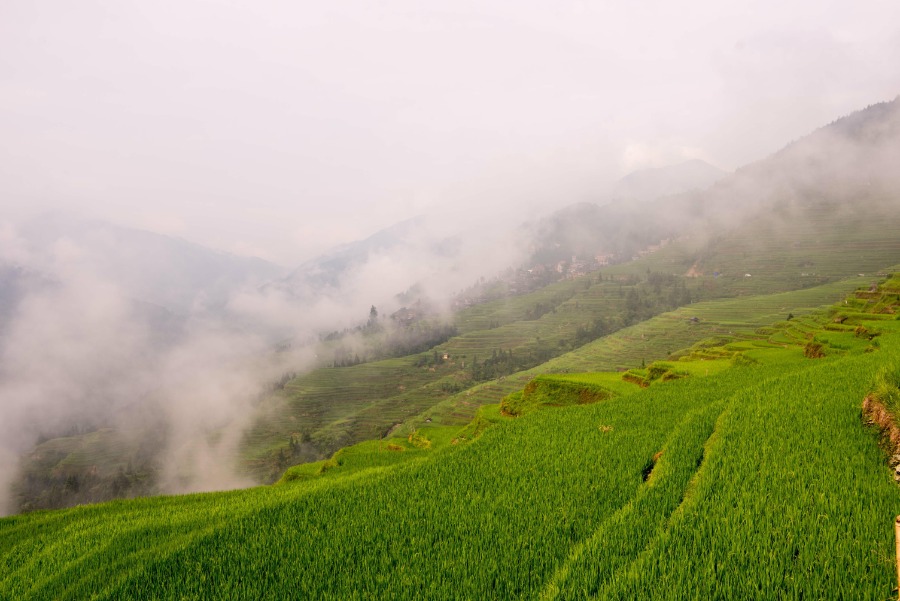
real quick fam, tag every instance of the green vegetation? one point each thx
(886, 388)
(555, 392)
(693, 288)
(690, 424)
(330, 408)
(750, 475)
(86, 467)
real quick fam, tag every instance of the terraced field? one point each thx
(746, 479)
(691, 424)
(726, 320)
(555, 329)
(782, 251)
(334, 407)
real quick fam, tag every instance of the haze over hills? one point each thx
(711, 372)
(764, 229)
(485, 300)
(418, 235)
(441, 258)
(426, 248)
(172, 273)
(848, 161)
(112, 337)
(326, 270)
(785, 220)
(656, 182)
(419, 252)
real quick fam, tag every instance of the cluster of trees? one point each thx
(538, 310)
(500, 363)
(432, 359)
(512, 282)
(417, 338)
(53, 489)
(659, 293)
(397, 338)
(280, 383)
(300, 449)
(505, 362)
(599, 327)
(346, 357)
(452, 387)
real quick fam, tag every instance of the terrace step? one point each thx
(634, 527)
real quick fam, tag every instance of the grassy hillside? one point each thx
(332, 407)
(504, 342)
(651, 340)
(775, 239)
(751, 476)
(816, 213)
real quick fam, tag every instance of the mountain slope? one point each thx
(756, 477)
(735, 467)
(782, 224)
(843, 170)
(796, 231)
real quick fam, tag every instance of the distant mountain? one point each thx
(856, 155)
(648, 184)
(841, 167)
(851, 161)
(620, 226)
(577, 226)
(147, 267)
(398, 257)
(585, 230)
(326, 271)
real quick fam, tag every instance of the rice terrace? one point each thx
(739, 469)
(619, 435)
(406, 301)
(631, 432)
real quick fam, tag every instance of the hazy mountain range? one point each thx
(182, 277)
(648, 184)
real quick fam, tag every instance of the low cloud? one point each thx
(88, 343)
(77, 352)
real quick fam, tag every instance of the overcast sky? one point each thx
(279, 128)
